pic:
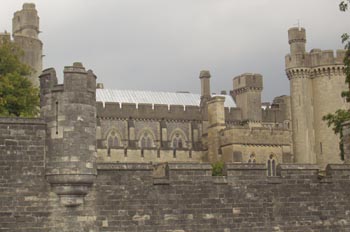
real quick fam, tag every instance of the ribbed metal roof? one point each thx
(150, 97)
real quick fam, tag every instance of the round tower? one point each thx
(70, 113)
(25, 30)
(301, 92)
(216, 122)
(297, 40)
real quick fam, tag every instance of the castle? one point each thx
(113, 160)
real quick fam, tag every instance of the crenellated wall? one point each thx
(174, 197)
(317, 80)
(158, 112)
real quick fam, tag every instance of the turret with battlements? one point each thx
(70, 113)
(316, 82)
(247, 94)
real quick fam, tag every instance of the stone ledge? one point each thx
(125, 166)
(287, 167)
(190, 166)
(17, 120)
(338, 167)
(245, 166)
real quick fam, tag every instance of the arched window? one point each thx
(252, 158)
(271, 165)
(177, 141)
(112, 140)
(146, 140)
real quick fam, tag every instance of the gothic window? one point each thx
(112, 140)
(252, 158)
(271, 166)
(146, 140)
(177, 141)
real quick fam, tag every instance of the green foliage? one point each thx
(335, 121)
(343, 6)
(340, 116)
(17, 95)
(218, 168)
(345, 38)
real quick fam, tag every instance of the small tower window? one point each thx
(271, 165)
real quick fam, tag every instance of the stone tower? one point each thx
(247, 94)
(70, 113)
(216, 122)
(25, 31)
(316, 82)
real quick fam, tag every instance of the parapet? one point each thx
(70, 113)
(299, 58)
(259, 136)
(26, 21)
(247, 81)
(147, 111)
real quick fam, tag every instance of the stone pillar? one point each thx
(131, 133)
(70, 113)
(346, 141)
(204, 76)
(216, 116)
(164, 143)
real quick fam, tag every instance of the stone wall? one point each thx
(23, 189)
(180, 197)
(129, 198)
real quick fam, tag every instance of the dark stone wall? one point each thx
(23, 189)
(180, 198)
(130, 199)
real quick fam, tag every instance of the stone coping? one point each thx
(149, 166)
(18, 120)
(245, 166)
(298, 167)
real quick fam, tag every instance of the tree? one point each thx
(340, 116)
(18, 97)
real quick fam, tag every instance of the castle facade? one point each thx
(145, 126)
(110, 160)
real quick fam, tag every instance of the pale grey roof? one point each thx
(150, 97)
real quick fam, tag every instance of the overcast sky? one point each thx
(162, 45)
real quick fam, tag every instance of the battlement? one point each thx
(157, 111)
(26, 21)
(261, 136)
(138, 155)
(70, 113)
(147, 111)
(244, 173)
(247, 81)
(299, 58)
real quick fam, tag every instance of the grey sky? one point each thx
(163, 44)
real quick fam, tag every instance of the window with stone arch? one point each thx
(252, 158)
(271, 165)
(146, 140)
(178, 142)
(113, 140)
